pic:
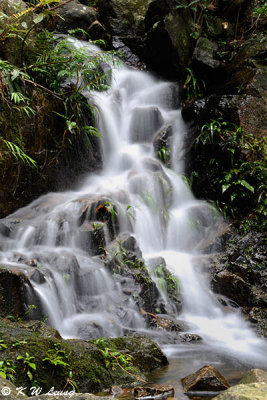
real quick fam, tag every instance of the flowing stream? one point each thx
(152, 203)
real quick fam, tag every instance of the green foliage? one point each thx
(130, 211)
(167, 282)
(56, 357)
(200, 12)
(164, 154)
(17, 319)
(57, 68)
(19, 343)
(111, 210)
(115, 359)
(240, 175)
(6, 370)
(28, 365)
(2, 345)
(260, 9)
(82, 66)
(193, 87)
(57, 360)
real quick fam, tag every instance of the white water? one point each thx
(77, 293)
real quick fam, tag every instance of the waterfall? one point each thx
(143, 186)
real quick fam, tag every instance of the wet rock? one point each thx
(14, 290)
(147, 356)
(128, 56)
(145, 123)
(4, 229)
(204, 53)
(190, 337)
(102, 209)
(129, 243)
(153, 391)
(92, 237)
(97, 31)
(125, 17)
(89, 369)
(206, 379)
(41, 328)
(8, 390)
(240, 274)
(252, 391)
(106, 70)
(166, 323)
(213, 106)
(233, 286)
(254, 375)
(162, 144)
(74, 15)
(168, 284)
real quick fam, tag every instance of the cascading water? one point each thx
(73, 287)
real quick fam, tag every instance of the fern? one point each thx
(18, 153)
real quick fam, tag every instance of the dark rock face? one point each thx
(58, 167)
(240, 274)
(16, 290)
(92, 236)
(205, 379)
(74, 15)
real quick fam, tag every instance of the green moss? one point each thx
(83, 357)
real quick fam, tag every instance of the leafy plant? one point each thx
(237, 171)
(131, 212)
(200, 10)
(71, 383)
(19, 343)
(164, 154)
(57, 359)
(28, 365)
(193, 86)
(114, 358)
(6, 370)
(2, 345)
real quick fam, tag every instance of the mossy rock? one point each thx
(83, 357)
(252, 391)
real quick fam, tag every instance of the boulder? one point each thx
(204, 54)
(129, 243)
(4, 229)
(92, 237)
(206, 379)
(254, 375)
(74, 15)
(16, 290)
(166, 323)
(162, 144)
(8, 390)
(83, 357)
(124, 17)
(252, 391)
(100, 209)
(239, 272)
(97, 31)
(232, 286)
(153, 391)
(11, 45)
(128, 56)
